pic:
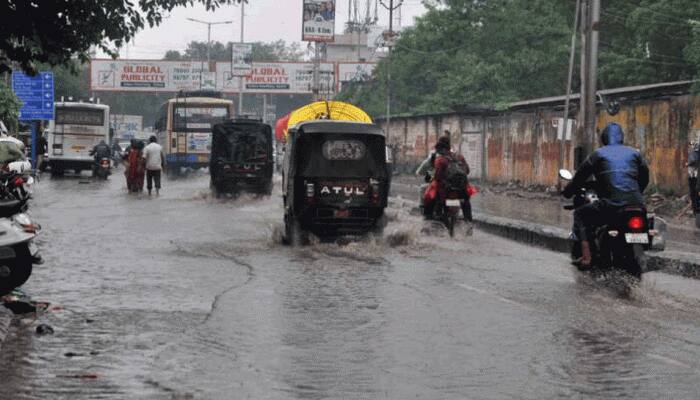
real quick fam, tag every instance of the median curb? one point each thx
(6, 317)
(557, 239)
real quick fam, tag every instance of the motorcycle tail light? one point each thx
(18, 181)
(635, 223)
(105, 162)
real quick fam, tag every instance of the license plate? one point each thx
(342, 213)
(640, 238)
(452, 203)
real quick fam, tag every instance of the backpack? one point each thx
(455, 176)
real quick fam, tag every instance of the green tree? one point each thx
(55, 32)
(262, 52)
(9, 108)
(491, 52)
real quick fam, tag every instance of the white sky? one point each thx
(266, 20)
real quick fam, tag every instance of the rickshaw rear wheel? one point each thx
(294, 235)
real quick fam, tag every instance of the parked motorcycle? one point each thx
(17, 251)
(18, 254)
(102, 169)
(619, 244)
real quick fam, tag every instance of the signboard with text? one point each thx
(36, 94)
(277, 78)
(150, 76)
(319, 21)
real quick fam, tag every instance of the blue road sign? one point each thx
(36, 93)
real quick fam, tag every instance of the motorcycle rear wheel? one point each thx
(20, 270)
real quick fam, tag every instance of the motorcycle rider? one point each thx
(621, 175)
(100, 151)
(438, 187)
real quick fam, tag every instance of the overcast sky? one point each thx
(266, 20)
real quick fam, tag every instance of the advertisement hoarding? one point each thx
(241, 58)
(150, 76)
(319, 21)
(276, 78)
(156, 76)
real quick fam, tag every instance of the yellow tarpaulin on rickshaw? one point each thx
(333, 110)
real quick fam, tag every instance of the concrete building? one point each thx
(352, 47)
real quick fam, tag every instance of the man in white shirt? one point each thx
(155, 160)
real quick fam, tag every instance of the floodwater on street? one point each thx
(188, 297)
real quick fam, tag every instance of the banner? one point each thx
(154, 76)
(319, 21)
(276, 78)
(150, 76)
(126, 126)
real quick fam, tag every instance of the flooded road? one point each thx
(186, 297)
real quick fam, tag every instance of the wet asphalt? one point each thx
(189, 297)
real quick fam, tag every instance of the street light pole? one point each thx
(240, 79)
(208, 24)
(391, 7)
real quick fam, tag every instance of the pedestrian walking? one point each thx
(134, 164)
(155, 160)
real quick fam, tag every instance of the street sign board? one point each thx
(242, 60)
(36, 93)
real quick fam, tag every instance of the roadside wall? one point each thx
(523, 145)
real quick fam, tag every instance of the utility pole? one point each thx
(240, 79)
(567, 103)
(590, 17)
(391, 7)
(593, 74)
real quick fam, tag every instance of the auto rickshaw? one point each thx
(335, 179)
(241, 157)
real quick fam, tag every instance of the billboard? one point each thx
(150, 75)
(241, 58)
(319, 21)
(126, 126)
(275, 78)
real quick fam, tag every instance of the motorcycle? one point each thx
(619, 244)
(102, 169)
(446, 211)
(18, 253)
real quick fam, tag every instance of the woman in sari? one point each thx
(135, 168)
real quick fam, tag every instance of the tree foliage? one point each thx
(9, 107)
(262, 52)
(56, 31)
(491, 52)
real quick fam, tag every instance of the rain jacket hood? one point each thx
(612, 135)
